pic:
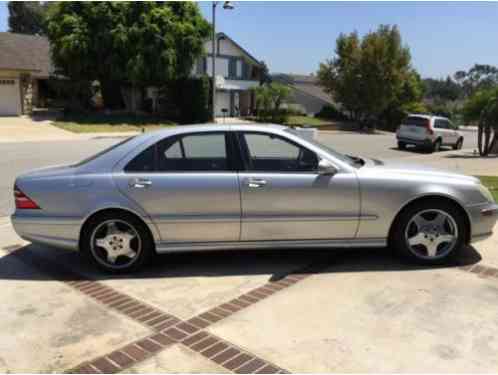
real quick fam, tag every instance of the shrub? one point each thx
(330, 112)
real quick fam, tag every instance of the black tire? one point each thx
(458, 145)
(400, 245)
(401, 145)
(436, 147)
(143, 238)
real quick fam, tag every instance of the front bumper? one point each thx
(483, 220)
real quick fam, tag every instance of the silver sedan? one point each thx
(211, 187)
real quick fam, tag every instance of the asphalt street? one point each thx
(18, 158)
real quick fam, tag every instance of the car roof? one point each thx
(427, 116)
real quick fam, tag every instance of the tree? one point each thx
(27, 17)
(126, 44)
(371, 77)
(269, 99)
(482, 107)
(479, 77)
(442, 90)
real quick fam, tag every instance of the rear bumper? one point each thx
(484, 218)
(411, 141)
(58, 232)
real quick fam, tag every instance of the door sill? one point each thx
(173, 247)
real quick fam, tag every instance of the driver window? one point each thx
(274, 154)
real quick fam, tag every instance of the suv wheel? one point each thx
(401, 145)
(436, 147)
(458, 145)
(429, 233)
(117, 243)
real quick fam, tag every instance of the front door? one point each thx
(190, 189)
(284, 198)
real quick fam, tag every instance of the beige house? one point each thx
(24, 70)
(237, 72)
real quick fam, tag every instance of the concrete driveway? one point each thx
(24, 129)
(254, 311)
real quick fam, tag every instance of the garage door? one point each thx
(222, 102)
(10, 101)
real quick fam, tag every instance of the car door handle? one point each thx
(256, 182)
(140, 183)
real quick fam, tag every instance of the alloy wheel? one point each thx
(115, 244)
(431, 234)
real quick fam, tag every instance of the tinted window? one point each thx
(416, 121)
(441, 124)
(143, 162)
(196, 152)
(272, 153)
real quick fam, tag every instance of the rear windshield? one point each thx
(103, 152)
(415, 121)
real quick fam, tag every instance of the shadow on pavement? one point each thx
(40, 263)
(469, 155)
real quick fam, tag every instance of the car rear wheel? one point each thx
(117, 243)
(429, 233)
(458, 145)
(401, 145)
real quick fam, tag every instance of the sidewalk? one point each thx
(24, 129)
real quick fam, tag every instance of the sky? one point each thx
(294, 37)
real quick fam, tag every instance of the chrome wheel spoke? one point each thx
(418, 239)
(101, 242)
(420, 222)
(445, 238)
(111, 228)
(431, 247)
(439, 220)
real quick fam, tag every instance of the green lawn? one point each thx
(306, 120)
(491, 182)
(99, 123)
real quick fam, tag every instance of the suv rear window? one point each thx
(416, 121)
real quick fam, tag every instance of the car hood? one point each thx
(413, 169)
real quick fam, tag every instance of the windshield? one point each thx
(105, 151)
(350, 160)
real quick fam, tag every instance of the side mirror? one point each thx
(326, 168)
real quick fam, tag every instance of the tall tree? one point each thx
(126, 43)
(27, 17)
(371, 76)
(479, 77)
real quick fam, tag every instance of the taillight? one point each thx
(23, 201)
(428, 127)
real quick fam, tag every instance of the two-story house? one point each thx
(237, 71)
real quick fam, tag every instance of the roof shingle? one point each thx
(25, 52)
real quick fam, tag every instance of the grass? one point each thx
(491, 182)
(100, 123)
(306, 120)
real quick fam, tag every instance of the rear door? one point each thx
(189, 187)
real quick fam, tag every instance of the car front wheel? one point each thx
(458, 145)
(429, 233)
(117, 243)
(436, 147)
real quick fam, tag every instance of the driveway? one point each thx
(24, 129)
(254, 311)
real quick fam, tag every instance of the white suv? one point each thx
(428, 131)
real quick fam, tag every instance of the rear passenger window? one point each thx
(195, 152)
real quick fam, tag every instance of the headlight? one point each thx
(486, 193)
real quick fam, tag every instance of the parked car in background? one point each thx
(194, 188)
(430, 132)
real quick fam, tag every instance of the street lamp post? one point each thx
(229, 6)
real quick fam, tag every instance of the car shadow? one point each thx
(419, 150)
(40, 263)
(471, 155)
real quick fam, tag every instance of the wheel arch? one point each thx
(105, 210)
(438, 198)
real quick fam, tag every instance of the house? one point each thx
(307, 95)
(237, 72)
(24, 70)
